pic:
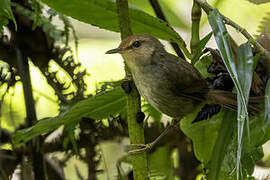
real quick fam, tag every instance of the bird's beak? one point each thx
(113, 51)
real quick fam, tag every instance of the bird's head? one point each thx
(138, 48)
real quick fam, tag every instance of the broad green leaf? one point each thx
(5, 14)
(203, 133)
(200, 47)
(252, 150)
(103, 14)
(101, 106)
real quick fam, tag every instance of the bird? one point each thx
(169, 83)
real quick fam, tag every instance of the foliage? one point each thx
(265, 24)
(224, 144)
(100, 106)
(104, 15)
(5, 14)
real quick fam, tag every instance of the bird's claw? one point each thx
(142, 148)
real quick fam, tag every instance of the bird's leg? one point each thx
(147, 147)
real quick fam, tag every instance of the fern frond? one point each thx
(264, 26)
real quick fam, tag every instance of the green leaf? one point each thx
(161, 164)
(245, 68)
(221, 146)
(203, 64)
(267, 103)
(103, 14)
(5, 14)
(152, 112)
(223, 41)
(101, 106)
(245, 74)
(259, 1)
(200, 47)
(203, 133)
(241, 75)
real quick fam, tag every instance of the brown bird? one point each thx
(167, 82)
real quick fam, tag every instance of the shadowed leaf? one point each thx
(5, 14)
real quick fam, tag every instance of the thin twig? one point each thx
(207, 8)
(156, 6)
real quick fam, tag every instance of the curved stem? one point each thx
(207, 8)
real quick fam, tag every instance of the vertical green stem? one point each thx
(195, 27)
(136, 130)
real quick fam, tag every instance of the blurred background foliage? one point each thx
(93, 71)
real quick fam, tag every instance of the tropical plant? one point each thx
(226, 145)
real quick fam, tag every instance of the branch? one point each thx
(207, 8)
(156, 6)
(136, 130)
(31, 117)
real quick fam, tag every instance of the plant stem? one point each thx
(195, 27)
(136, 130)
(207, 8)
(31, 118)
(156, 6)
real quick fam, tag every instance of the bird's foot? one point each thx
(142, 148)
(147, 147)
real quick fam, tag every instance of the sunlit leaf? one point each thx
(100, 106)
(103, 14)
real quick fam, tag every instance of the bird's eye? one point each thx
(136, 44)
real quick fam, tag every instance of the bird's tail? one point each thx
(229, 100)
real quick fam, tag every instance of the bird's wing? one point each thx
(186, 80)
